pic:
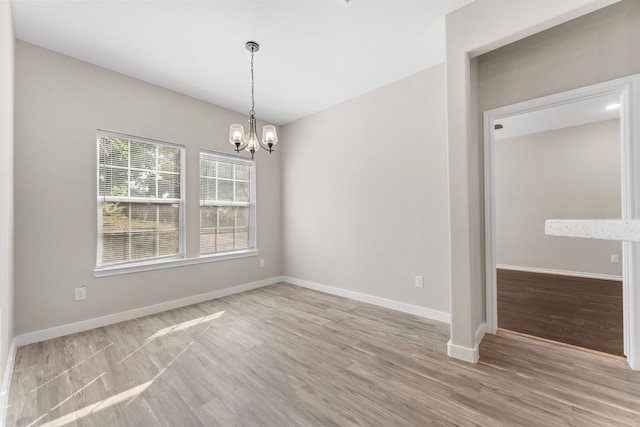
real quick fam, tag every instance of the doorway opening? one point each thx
(564, 156)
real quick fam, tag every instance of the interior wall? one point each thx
(365, 194)
(477, 28)
(561, 174)
(594, 48)
(60, 102)
(7, 46)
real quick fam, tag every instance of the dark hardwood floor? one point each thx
(580, 311)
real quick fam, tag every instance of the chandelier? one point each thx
(250, 140)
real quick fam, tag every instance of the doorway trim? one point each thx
(628, 88)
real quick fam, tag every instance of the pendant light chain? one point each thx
(252, 112)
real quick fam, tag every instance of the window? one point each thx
(140, 199)
(227, 203)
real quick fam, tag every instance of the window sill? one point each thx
(171, 262)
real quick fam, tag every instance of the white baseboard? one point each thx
(84, 325)
(428, 313)
(6, 382)
(482, 329)
(471, 355)
(559, 272)
(467, 354)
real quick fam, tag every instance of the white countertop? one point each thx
(607, 229)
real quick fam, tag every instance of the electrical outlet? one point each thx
(615, 259)
(81, 293)
(261, 263)
(419, 282)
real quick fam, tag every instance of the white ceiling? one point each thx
(314, 53)
(589, 110)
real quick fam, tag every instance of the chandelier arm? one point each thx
(266, 146)
(240, 147)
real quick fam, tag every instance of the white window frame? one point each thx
(252, 205)
(149, 263)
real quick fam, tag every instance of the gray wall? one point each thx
(597, 47)
(7, 45)
(365, 193)
(60, 102)
(564, 173)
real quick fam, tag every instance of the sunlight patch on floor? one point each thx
(126, 396)
(99, 406)
(72, 367)
(185, 325)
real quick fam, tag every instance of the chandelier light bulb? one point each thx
(252, 143)
(236, 136)
(269, 136)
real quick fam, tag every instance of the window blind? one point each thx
(227, 203)
(140, 199)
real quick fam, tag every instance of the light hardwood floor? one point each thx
(287, 356)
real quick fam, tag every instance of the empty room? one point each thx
(320, 213)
